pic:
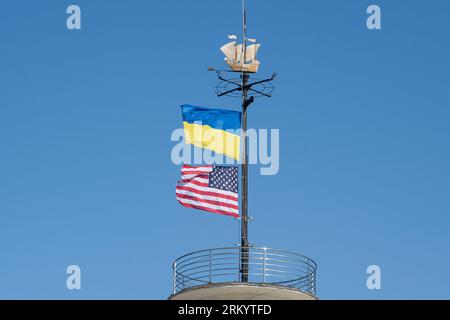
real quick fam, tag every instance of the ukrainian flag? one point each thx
(206, 128)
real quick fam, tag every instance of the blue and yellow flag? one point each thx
(207, 128)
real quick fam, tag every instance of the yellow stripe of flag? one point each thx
(219, 141)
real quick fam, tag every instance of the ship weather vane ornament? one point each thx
(244, 271)
(241, 57)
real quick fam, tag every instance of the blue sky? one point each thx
(86, 117)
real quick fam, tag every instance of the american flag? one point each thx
(209, 188)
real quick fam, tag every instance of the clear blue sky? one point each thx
(86, 117)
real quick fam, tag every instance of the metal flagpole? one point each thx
(244, 183)
(231, 87)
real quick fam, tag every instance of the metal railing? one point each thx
(265, 266)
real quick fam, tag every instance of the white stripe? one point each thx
(190, 176)
(223, 192)
(196, 177)
(204, 197)
(207, 205)
(198, 169)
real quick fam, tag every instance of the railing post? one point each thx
(210, 266)
(264, 265)
(239, 265)
(313, 283)
(174, 278)
(308, 276)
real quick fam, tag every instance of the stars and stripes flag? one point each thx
(210, 188)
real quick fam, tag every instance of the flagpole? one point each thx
(244, 183)
(258, 88)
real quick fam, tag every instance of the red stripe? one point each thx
(216, 203)
(225, 213)
(207, 193)
(197, 173)
(197, 183)
(196, 167)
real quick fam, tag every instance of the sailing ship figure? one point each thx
(241, 58)
(243, 272)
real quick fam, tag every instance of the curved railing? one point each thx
(262, 266)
